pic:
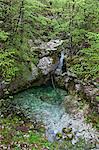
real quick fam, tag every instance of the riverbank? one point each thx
(17, 133)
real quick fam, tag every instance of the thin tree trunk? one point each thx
(20, 18)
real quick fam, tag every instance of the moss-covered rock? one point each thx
(59, 136)
(67, 130)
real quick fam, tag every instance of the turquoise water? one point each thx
(47, 105)
(43, 103)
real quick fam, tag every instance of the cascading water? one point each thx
(59, 68)
(61, 60)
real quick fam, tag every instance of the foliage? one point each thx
(94, 119)
(7, 63)
(78, 21)
(87, 65)
(3, 36)
(17, 28)
(21, 20)
(75, 20)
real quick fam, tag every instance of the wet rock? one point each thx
(44, 98)
(70, 104)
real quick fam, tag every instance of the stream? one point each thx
(47, 106)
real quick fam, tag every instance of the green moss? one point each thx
(97, 98)
(66, 130)
(59, 136)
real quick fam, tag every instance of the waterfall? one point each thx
(59, 69)
(61, 60)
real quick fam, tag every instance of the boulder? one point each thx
(45, 65)
(70, 136)
(53, 44)
(44, 48)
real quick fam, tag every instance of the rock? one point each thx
(44, 98)
(45, 65)
(90, 91)
(53, 44)
(65, 137)
(59, 136)
(30, 42)
(1, 22)
(67, 79)
(45, 46)
(66, 130)
(6, 92)
(58, 71)
(44, 53)
(37, 41)
(78, 87)
(70, 74)
(22, 128)
(10, 97)
(30, 75)
(31, 72)
(97, 145)
(70, 136)
(75, 140)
